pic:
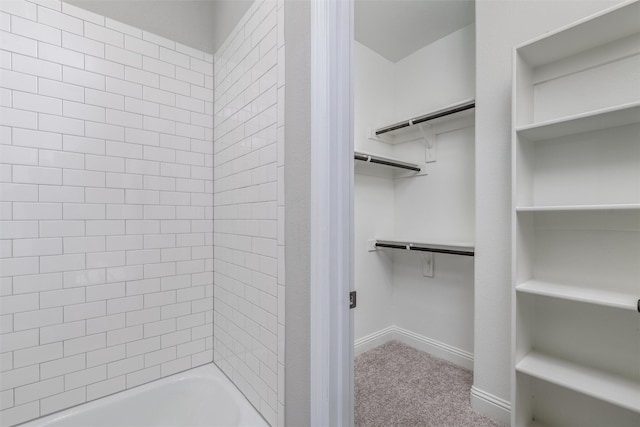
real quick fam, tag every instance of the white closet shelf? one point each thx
(454, 248)
(604, 27)
(608, 387)
(385, 161)
(619, 115)
(567, 208)
(622, 300)
(450, 112)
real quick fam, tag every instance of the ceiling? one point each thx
(397, 28)
(393, 28)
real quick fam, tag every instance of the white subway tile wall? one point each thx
(106, 207)
(249, 207)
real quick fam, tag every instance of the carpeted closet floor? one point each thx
(396, 385)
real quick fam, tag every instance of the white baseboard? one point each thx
(420, 342)
(373, 340)
(491, 405)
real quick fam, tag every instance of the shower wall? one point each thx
(106, 206)
(249, 208)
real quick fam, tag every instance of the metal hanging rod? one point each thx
(440, 249)
(370, 158)
(431, 116)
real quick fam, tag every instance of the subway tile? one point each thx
(123, 87)
(83, 78)
(42, 389)
(18, 155)
(21, 413)
(41, 104)
(18, 81)
(62, 332)
(36, 247)
(18, 44)
(36, 175)
(104, 195)
(36, 67)
(143, 376)
(62, 401)
(61, 297)
(102, 34)
(47, 122)
(84, 311)
(39, 354)
(18, 340)
(123, 56)
(60, 159)
(37, 282)
(105, 292)
(59, 20)
(37, 319)
(82, 44)
(105, 355)
(18, 118)
(83, 111)
(143, 346)
(17, 267)
(60, 90)
(62, 366)
(20, 8)
(83, 211)
(33, 30)
(86, 277)
(55, 263)
(53, 53)
(103, 99)
(105, 388)
(106, 323)
(84, 344)
(51, 193)
(84, 377)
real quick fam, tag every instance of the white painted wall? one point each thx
(500, 25)
(437, 206)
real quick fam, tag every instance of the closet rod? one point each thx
(425, 249)
(432, 116)
(387, 162)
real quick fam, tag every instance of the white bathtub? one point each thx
(199, 397)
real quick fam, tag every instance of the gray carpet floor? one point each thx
(397, 385)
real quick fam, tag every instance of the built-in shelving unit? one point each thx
(610, 388)
(576, 224)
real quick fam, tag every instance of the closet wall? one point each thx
(395, 299)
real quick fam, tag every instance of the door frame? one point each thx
(331, 213)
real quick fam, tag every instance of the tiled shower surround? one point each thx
(249, 208)
(106, 207)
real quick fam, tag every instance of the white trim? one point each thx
(331, 353)
(437, 348)
(373, 340)
(420, 342)
(491, 405)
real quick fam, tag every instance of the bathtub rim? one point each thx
(249, 415)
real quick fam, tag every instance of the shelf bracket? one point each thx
(429, 136)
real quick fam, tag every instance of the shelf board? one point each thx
(569, 208)
(586, 122)
(601, 385)
(385, 161)
(451, 112)
(611, 24)
(622, 300)
(454, 248)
